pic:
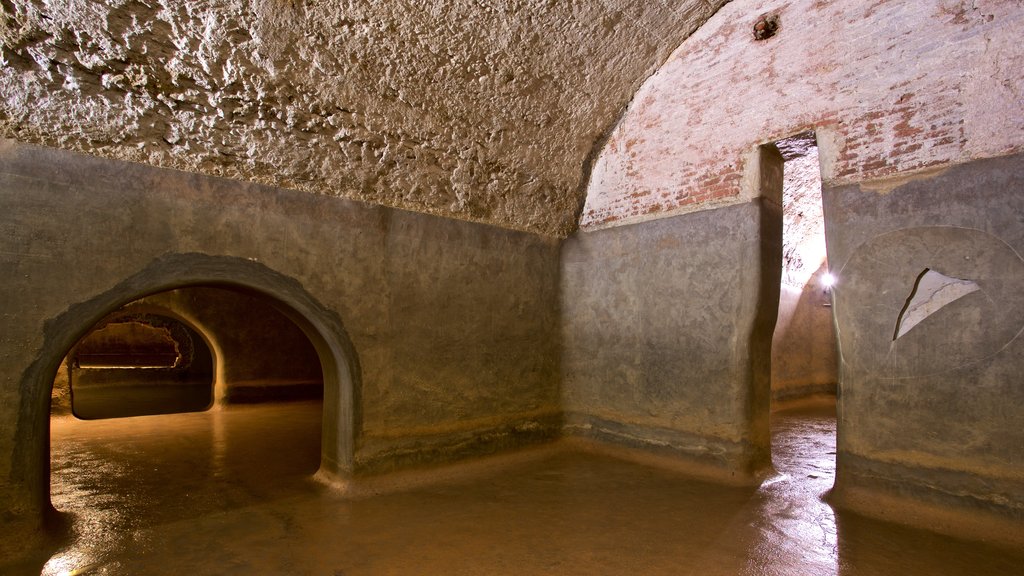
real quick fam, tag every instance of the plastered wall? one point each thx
(917, 109)
(804, 360)
(453, 325)
(935, 413)
(667, 330)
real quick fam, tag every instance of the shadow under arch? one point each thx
(323, 327)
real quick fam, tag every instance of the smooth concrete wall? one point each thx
(452, 326)
(667, 331)
(935, 415)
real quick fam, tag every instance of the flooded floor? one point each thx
(230, 492)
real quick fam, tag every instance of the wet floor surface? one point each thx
(230, 492)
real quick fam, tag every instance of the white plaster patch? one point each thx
(932, 292)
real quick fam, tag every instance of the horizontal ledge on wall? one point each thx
(962, 504)
(378, 455)
(701, 457)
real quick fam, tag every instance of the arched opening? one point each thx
(322, 326)
(155, 356)
(134, 363)
(140, 446)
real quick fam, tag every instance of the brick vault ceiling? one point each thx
(483, 110)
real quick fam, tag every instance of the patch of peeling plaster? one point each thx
(932, 292)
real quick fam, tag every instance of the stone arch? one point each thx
(323, 327)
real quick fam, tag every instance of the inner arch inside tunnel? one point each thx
(321, 326)
(140, 360)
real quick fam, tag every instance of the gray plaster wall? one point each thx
(667, 330)
(936, 414)
(454, 324)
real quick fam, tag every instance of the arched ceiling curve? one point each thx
(481, 110)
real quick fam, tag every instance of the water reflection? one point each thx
(229, 493)
(793, 519)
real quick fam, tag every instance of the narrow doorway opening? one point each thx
(803, 357)
(803, 345)
(180, 404)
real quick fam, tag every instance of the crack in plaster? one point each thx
(932, 291)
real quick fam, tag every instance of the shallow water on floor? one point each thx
(229, 492)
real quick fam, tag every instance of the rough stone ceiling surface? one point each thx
(482, 110)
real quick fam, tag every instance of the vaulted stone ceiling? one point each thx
(484, 110)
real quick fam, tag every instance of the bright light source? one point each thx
(828, 280)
